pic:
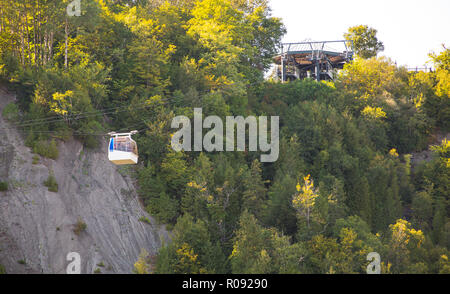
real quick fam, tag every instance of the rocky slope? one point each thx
(37, 226)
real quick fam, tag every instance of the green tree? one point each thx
(258, 250)
(254, 195)
(365, 41)
(190, 250)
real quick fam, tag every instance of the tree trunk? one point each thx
(27, 30)
(50, 46)
(66, 43)
(36, 56)
(22, 39)
(45, 49)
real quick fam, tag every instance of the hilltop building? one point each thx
(319, 60)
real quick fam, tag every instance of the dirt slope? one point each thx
(36, 226)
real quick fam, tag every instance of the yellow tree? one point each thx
(442, 63)
(187, 261)
(405, 241)
(217, 25)
(304, 199)
(62, 103)
(143, 264)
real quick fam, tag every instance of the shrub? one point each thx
(80, 227)
(22, 261)
(53, 150)
(51, 183)
(2, 270)
(29, 141)
(3, 186)
(11, 112)
(35, 159)
(145, 220)
(46, 149)
(91, 127)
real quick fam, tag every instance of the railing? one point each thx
(417, 69)
(317, 46)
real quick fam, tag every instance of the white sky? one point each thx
(409, 29)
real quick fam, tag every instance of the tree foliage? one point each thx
(357, 136)
(365, 41)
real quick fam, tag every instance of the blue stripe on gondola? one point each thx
(111, 145)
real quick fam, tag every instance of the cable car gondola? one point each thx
(122, 149)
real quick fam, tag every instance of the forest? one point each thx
(347, 181)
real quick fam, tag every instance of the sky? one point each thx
(409, 29)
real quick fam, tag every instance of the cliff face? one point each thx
(37, 226)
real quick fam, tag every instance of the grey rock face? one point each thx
(37, 226)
